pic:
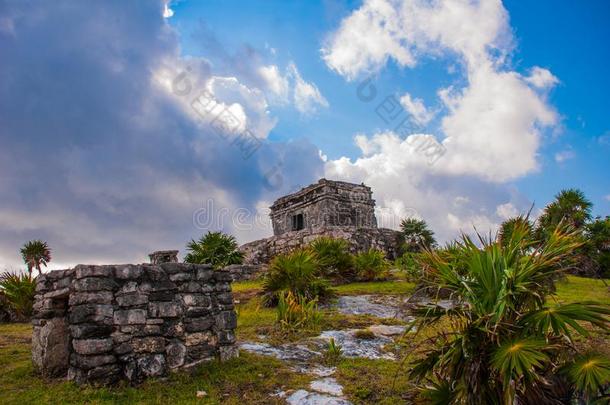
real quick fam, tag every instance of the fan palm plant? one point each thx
(417, 235)
(333, 257)
(215, 248)
(507, 343)
(371, 265)
(18, 289)
(36, 253)
(296, 272)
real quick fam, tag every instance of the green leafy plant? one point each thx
(215, 248)
(333, 257)
(371, 265)
(505, 343)
(18, 290)
(589, 373)
(296, 272)
(417, 235)
(333, 352)
(409, 265)
(35, 254)
(296, 312)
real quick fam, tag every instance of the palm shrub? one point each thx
(506, 343)
(417, 235)
(371, 265)
(215, 248)
(296, 272)
(36, 253)
(408, 263)
(333, 257)
(296, 312)
(18, 290)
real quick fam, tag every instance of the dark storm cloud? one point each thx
(96, 158)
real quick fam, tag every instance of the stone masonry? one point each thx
(328, 208)
(100, 324)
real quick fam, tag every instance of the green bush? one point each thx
(18, 290)
(409, 265)
(215, 248)
(333, 257)
(296, 272)
(294, 313)
(371, 265)
(507, 344)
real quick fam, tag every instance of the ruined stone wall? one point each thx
(99, 324)
(323, 204)
(359, 239)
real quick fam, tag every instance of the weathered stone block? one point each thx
(175, 353)
(101, 297)
(198, 338)
(227, 352)
(130, 317)
(205, 274)
(148, 344)
(196, 300)
(226, 320)
(89, 330)
(92, 346)
(181, 277)
(82, 271)
(132, 299)
(94, 284)
(51, 347)
(164, 309)
(128, 272)
(92, 313)
(89, 362)
(199, 324)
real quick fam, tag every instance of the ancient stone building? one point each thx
(324, 204)
(100, 324)
(327, 208)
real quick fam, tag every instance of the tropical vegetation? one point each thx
(36, 253)
(18, 294)
(417, 235)
(507, 342)
(333, 257)
(371, 265)
(215, 248)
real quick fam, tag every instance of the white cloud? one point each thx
(307, 97)
(541, 78)
(492, 127)
(564, 155)
(607, 197)
(277, 83)
(292, 88)
(418, 112)
(167, 12)
(507, 210)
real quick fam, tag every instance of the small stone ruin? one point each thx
(100, 324)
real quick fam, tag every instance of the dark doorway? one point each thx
(297, 222)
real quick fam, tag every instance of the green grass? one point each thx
(247, 286)
(250, 379)
(575, 289)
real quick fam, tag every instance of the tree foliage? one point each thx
(18, 290)
(417, 235)
(215, 248)
(36, 253)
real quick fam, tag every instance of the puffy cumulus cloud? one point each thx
(492, 126)
(418, 112)
(104, 151)
(406, 185)
(292, 88)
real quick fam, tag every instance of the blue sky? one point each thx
(569, 39)
(503, 105)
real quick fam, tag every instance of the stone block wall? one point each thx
(359, 239)
(100, 324)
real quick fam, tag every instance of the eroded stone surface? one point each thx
(327, 385)
(303, 397)
(288, 352)
(354, 347)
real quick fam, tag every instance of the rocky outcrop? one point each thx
(359, 239)
(99, 324)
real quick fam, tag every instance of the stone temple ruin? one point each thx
(100, 324)
(327, 208)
